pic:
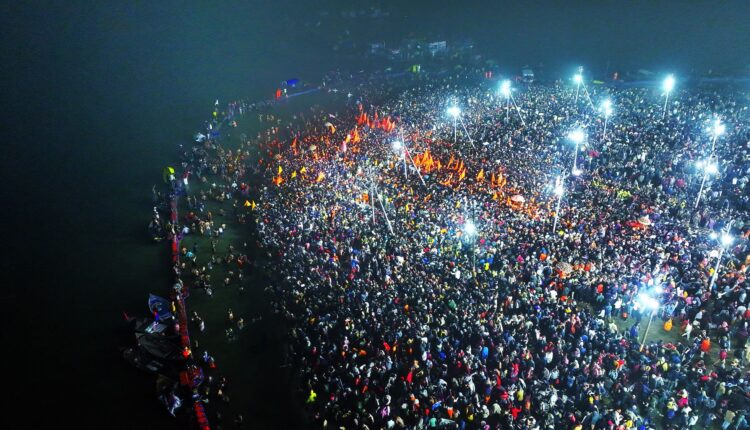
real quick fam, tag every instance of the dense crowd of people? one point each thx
(467, 277)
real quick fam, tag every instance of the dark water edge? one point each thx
(81, 256)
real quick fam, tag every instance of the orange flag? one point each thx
(480, 176)
(321, 176)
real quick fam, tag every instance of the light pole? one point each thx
(709, 168)
(505, 89)
(726, 241)
(408, 155)
(385, 214)
(454, 111)
(400, 148)
(577, 136)
(578, 79)
(668, 86)
(471, 232)
(559, 191)
(717, 130)
(648, 302)
(607, 109)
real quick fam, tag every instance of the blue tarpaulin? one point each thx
(159, 306)
(292, 82)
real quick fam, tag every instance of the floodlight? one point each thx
(726, 239)
(668, 84)
(577, 136)
(505, 88)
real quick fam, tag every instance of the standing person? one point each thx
(741, 421)
(688, 330)
(728, 418)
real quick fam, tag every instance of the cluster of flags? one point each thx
(426, 162)
(352, 137)
(385, 124)
(457, 170)
(279, 179)
(454, 172)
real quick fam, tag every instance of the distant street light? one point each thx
(577, 136)
(559, 191)
(505, 90)
(400, 148)
(647, 302)
(668, 86)
(717, 130)
(607, 109)
(454, 111)
(471, 232)
(709, 167)
(726, 242)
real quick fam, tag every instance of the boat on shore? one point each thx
(160, 308)
(148, 326)
(161, 347)
(143, 361)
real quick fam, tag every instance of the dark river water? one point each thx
(89, 133)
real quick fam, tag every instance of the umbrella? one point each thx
(517, 199)
(313, 147)
(644, 220)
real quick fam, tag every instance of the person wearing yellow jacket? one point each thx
(311, 398)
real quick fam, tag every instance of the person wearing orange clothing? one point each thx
(705, 345)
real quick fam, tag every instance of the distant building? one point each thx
(437, 47)
(527, 74)
(377, 48)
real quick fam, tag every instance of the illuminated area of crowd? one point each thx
(500, 256)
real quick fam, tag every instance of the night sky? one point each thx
(99, 93)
